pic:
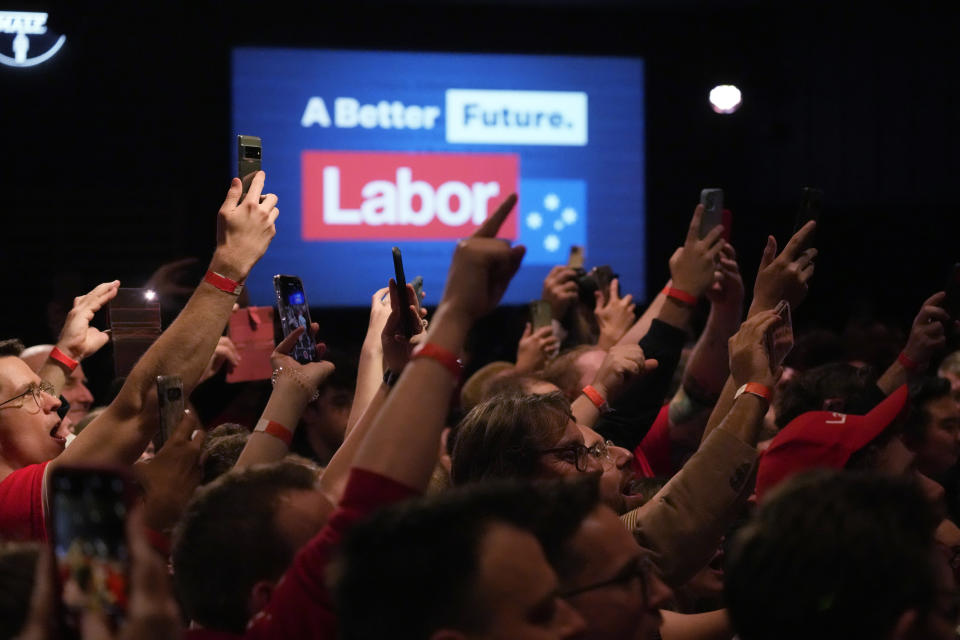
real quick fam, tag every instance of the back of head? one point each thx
(228, 540)
(836, 387)
(221, 453)
(502, 436)
(832, 555)
(922, 392)
(18, 561)
(412, 568)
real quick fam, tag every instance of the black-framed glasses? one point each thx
(36, 390)
(641, 570)
(579, 454)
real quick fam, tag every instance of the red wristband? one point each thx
(159, 541)
(223, 283)
(594, 396)
(907, 362)
(275, 429)
(64, 359)
(756, 389)
(680, 296)
(448, 359)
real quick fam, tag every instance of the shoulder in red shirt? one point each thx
(21, 504)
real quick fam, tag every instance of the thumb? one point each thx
(233, 194)
(769, 252)
(651, 364)
(527, 330)
(599, 302)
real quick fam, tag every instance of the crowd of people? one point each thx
(623, 479)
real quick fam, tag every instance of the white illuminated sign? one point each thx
(24, 24)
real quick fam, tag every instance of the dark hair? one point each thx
(18, 562)
(418, 561)
(832, 555)
(221, 454)
(11, 347)
(924, 391)
(227, 541)
(809, 390)
(501, 437)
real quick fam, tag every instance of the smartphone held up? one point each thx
(294, 313)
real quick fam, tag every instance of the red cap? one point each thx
(824, 440)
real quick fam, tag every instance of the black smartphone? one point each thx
(88, 533)
(249, 152)
(170, 400)
(712, 201)
(401, 279)
(811, 205)
(951, 303)
(134, 319)
(604, 275)
(541, 314)
(294, 312)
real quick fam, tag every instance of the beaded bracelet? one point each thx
(297, 378)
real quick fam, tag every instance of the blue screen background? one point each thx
(604, 179)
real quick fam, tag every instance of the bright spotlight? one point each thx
(150, 294)
(725, 98)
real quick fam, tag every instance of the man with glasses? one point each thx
(30, 438)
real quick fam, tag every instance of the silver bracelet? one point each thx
(297, 378)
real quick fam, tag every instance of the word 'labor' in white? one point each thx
(386, 202)
(349, 113)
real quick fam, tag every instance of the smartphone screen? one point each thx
(134, 318)
(294, 312)
(170, 401)
(780, 336)
(712, 201)
(89, 508)
(249, 152)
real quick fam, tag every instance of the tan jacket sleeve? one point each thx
(684, 522)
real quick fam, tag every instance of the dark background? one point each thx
(117, 151)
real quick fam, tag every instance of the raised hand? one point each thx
(785, 276)
(307, 376)
(535, 348)
(615, 317)
(560, 290)
(482, 268)
(170, 478)
(246, 228)
(77, 338)
(226, 352)
(396, 345)
(727, 291)
(621, 363)
(749, 359)
(692, 266)
(928, 335)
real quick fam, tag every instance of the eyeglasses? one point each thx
(37, 391)
(577, 454)
(642, 569)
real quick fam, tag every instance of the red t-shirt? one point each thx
(300, 606)
(652, 455)
(21, 504)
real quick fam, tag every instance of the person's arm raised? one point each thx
(780, 277)
(403, 439)
(120, 433)
(708, 366)
(295, 386)
(927, 337)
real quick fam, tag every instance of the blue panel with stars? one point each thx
(553, 218)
